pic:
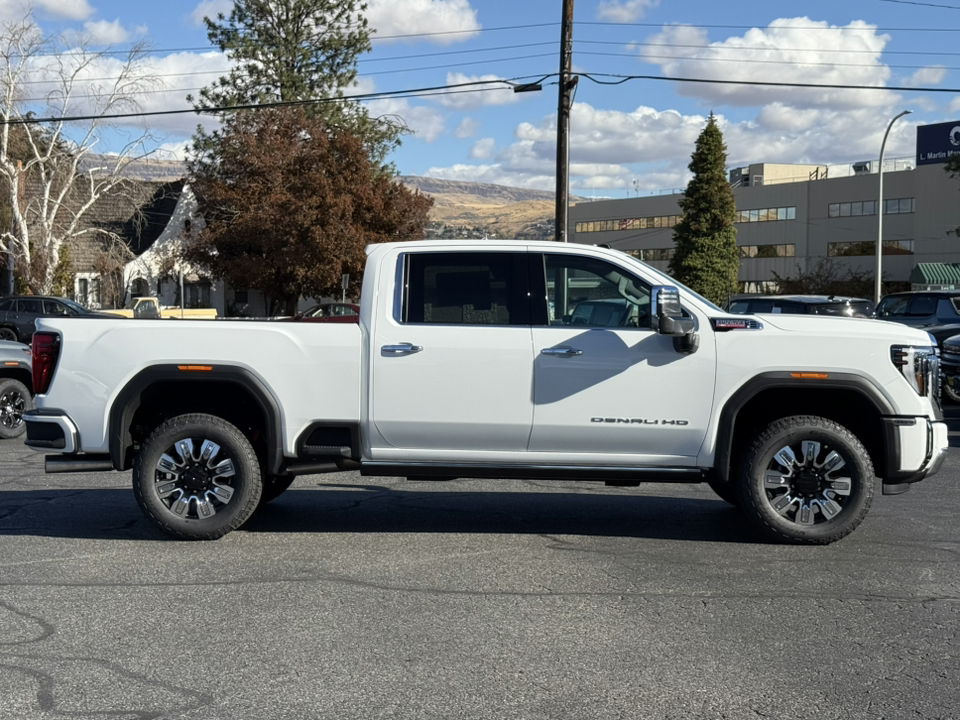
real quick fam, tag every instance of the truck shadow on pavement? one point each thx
(111, 513)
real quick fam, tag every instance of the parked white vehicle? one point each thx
(479, 359)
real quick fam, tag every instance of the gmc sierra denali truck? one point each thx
(498, 359)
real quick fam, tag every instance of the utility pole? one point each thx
(567, 84)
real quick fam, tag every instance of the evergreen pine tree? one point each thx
(706, 256)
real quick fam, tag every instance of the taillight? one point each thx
(46, 352)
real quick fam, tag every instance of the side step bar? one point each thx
(77, 463)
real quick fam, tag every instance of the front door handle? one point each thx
(563, 351)
(401, 349)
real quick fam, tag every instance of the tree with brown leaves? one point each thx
(290, 203)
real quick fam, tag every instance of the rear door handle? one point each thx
(401, 349)
(563, 351)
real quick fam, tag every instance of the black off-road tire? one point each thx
(725, 491)
(15, 398)
(949, 393)
(8, 333)
(151, 483)
(274, 486)
(844, 494)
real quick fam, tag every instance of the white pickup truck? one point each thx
(498, 359)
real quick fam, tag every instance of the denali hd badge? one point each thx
(638, 421)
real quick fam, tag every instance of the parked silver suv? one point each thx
(15, 387)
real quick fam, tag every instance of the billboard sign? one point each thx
(937, 143)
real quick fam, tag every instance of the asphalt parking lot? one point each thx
(365, 598)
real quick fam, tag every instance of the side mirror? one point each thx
(667, 316)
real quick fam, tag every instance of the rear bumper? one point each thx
(51, 430)
(915, 449)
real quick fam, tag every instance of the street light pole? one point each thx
(876, 286)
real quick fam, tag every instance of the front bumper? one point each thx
(916, 448)
(51, 430)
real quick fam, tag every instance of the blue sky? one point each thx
(634, 137)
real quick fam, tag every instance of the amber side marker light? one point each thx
(195, 368)
(11, 364)
(810, 376)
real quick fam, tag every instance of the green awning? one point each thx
(935, 274)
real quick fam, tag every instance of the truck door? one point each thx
(605, 384)
(450, 361)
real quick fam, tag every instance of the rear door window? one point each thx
(33, 307)
(466, 288)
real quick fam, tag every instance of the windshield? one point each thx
(667, 280)
(76, 307)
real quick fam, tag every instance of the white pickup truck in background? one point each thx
(498, 359)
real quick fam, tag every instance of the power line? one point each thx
(765, 49)
(909, 2)
(761, 83)
(693, 58)
(416, 92)
(777, 27)
(439, 89)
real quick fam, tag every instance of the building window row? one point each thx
(766, 214)
(651, 254)
(893, 206)
(869, 247)
(767, 251)
(644, 223)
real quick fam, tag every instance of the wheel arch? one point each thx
(849, 399)
(231, 392)
(19, 373)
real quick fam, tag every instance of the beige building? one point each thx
(789, 216)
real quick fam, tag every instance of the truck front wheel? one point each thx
(806, 480)
(197, 477)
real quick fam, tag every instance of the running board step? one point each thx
(326, 450)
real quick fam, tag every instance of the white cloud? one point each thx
(426, 122)
(210, 9)
(417, 17)
(793, 50)
(624, 11)
(16, 10)
(467, 128)
(479, 95)
(483, 149)
(611, 149)
(104, 32)
(933, 75)
(954, 105)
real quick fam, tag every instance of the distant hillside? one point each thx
(471, 209)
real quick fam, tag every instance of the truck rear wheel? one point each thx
(197, 477)
(806, 480)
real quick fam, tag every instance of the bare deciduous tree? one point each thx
(46, 167)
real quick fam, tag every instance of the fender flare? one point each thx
(127, 403)
(768, 380)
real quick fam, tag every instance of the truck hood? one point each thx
(828, 325)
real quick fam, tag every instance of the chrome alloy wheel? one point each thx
(12, 405)
(808, 488)
(194, 485)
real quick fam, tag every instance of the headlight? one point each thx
(920, 366)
